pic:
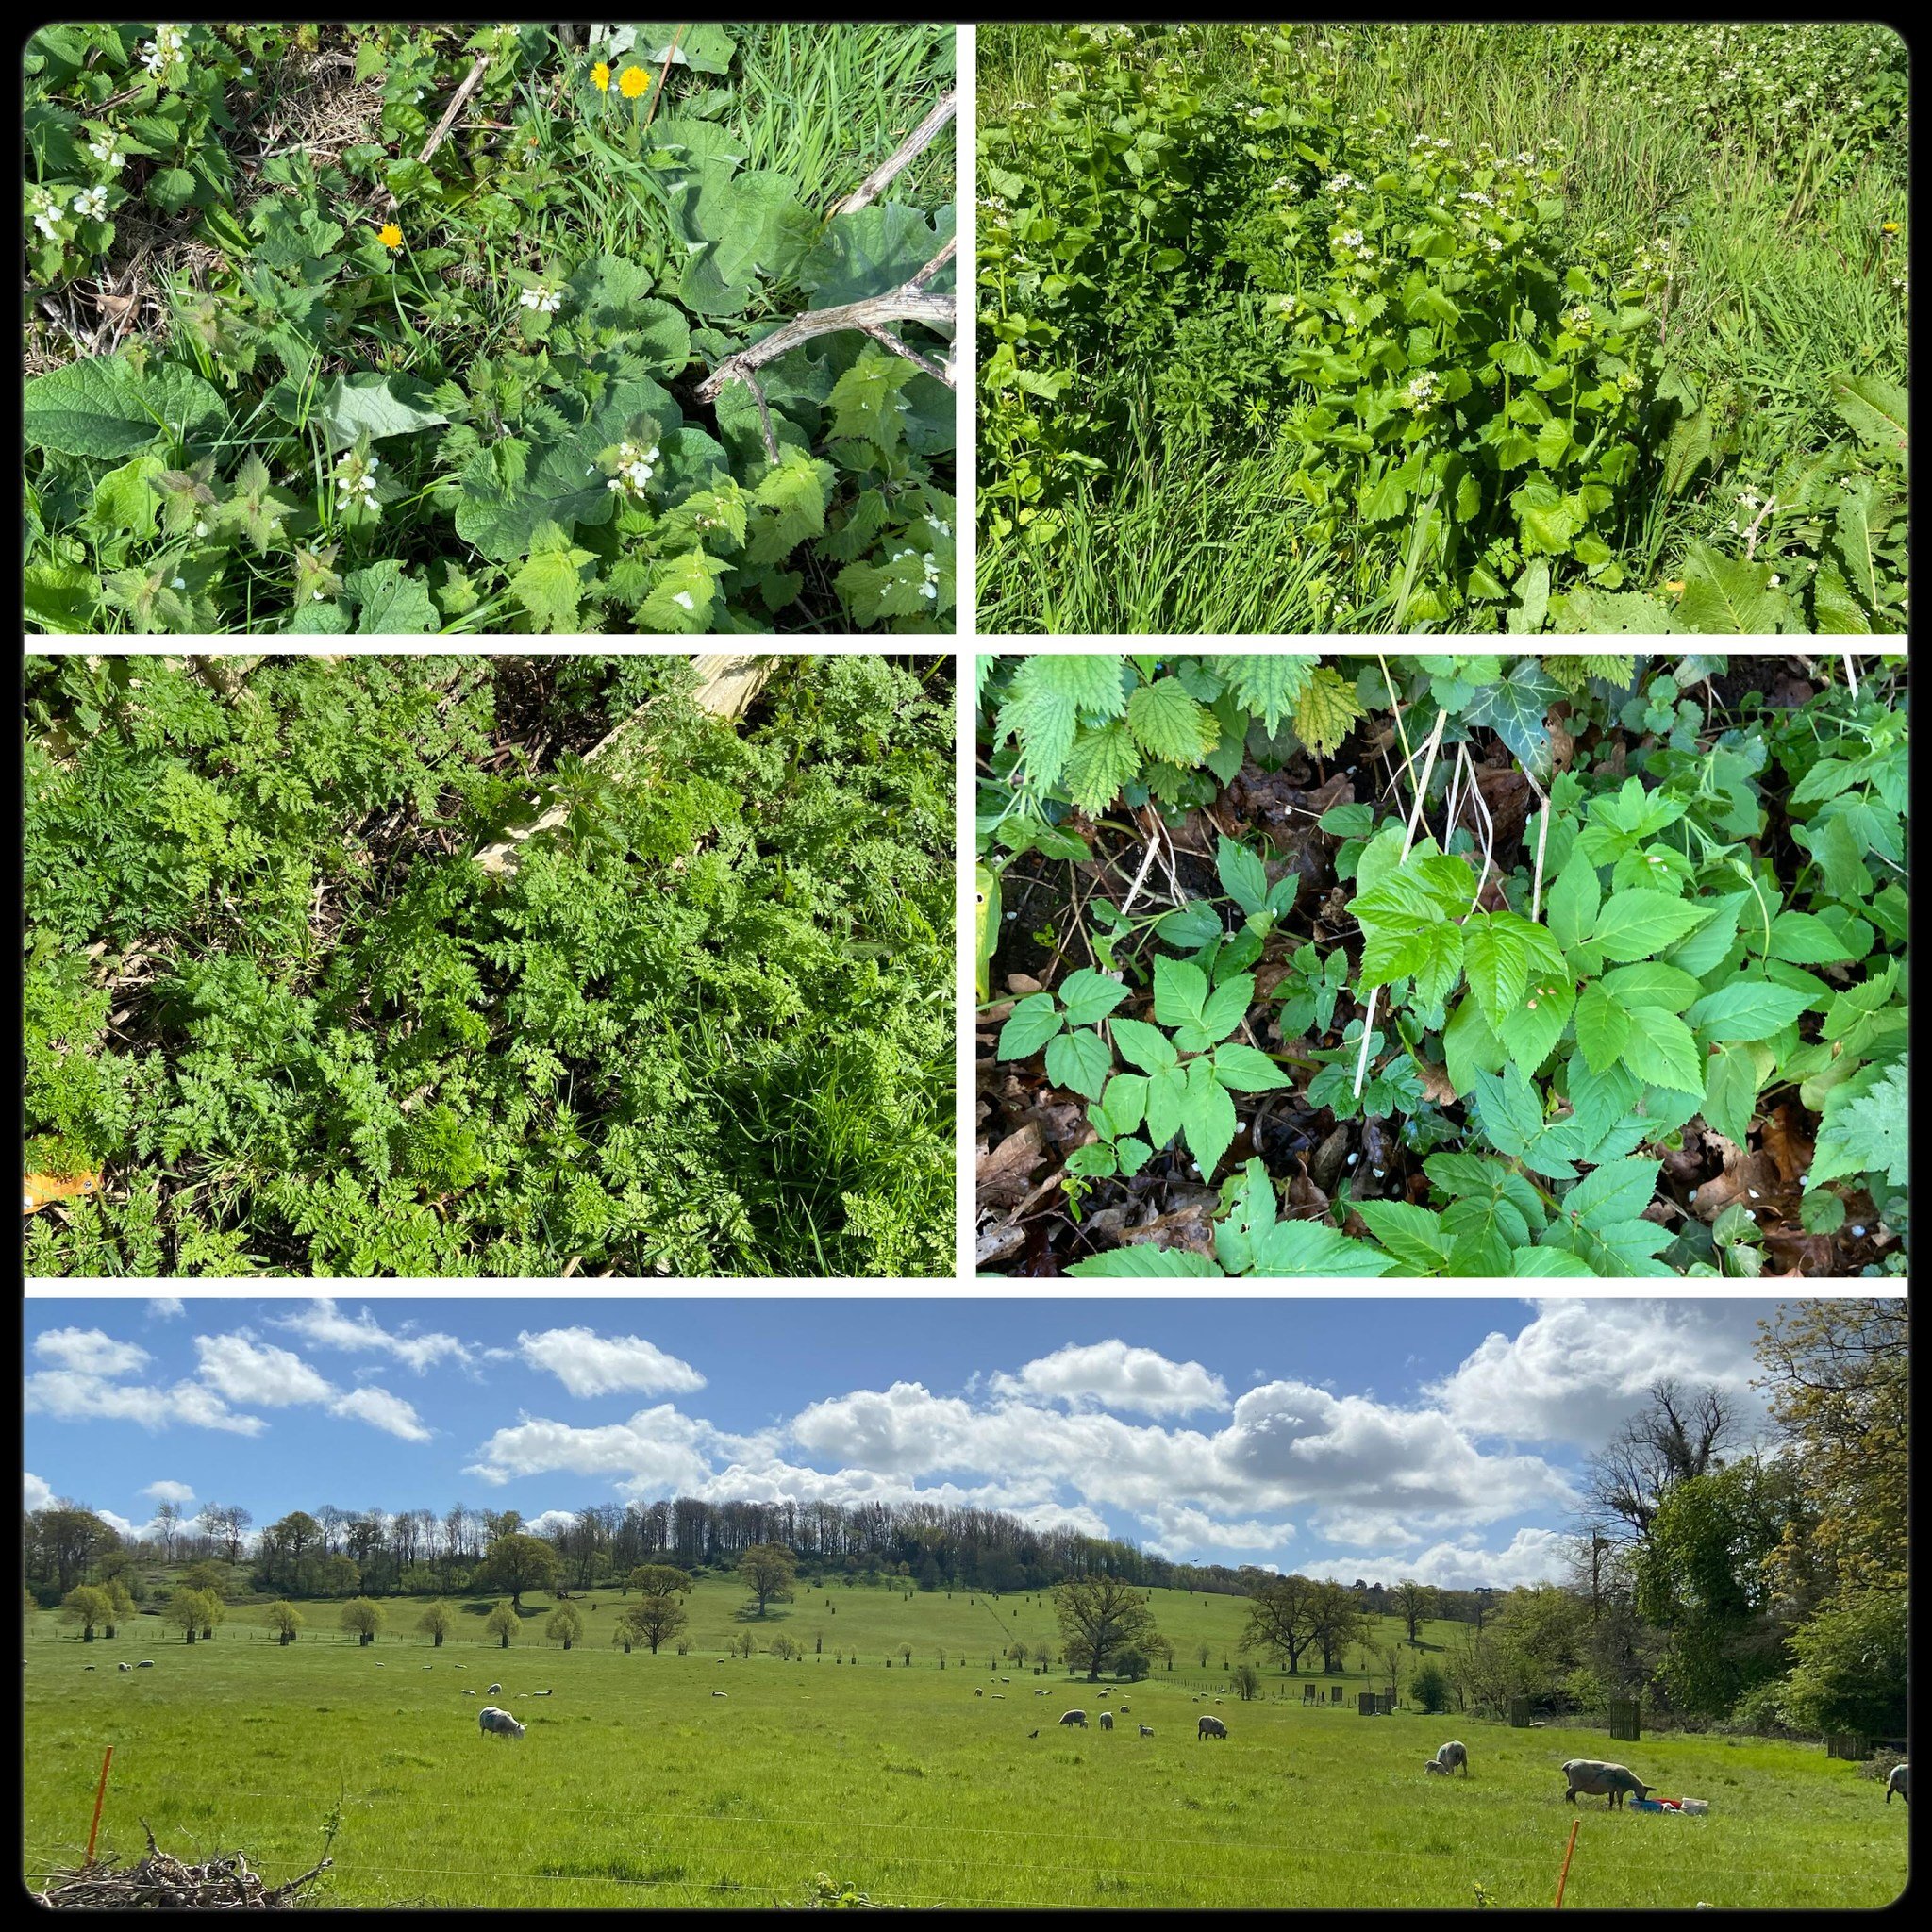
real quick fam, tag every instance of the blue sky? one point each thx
(1354, 1437)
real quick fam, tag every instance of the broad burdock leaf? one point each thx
(1089, 997)
(1878, 412)
(1325, 711)
(1170, 725)
(101, 406)
(1267, 684)
(1030, 1025)
(703, 48)
(1633, 924)
(1081, 1061)
(375, 405)
(1515, 709)
(872, 251)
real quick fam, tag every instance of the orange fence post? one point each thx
(100, 1793)
(1563, 1877)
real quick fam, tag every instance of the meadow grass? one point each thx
(1791, 286)
(637, 1786)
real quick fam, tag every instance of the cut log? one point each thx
(727, 682)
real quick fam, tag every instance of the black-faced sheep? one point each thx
(1590, 1777)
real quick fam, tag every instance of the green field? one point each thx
(637, 1786)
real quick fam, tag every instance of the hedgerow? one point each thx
(299, 364)
(1469, 390)
(278, 1018)
(1443, 965)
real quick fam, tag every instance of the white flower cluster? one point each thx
(107, 151)
(47, 214)
(635, 468)
(1433, 141)
(543, 299)
(1423, 391)
(1476, 198)
(929, 564)
(1582, 318)
(166, 47)
(1352, 242)
(1342, 183)
(356, 478)
(90, 204)
(1655, 260)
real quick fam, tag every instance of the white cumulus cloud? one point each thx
(323, 1324)
(91, 1351)
(1112, 1375)
(590, 1364)
(244, 1370)
(382, 1410)
(178, 1493)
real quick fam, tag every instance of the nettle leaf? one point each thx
(1747, 1009)
(390, 602)
(1169, 723)
(1515, 709)
(1634, 925)
(100, 405)
(684, 594)
(1099, 764)
(1269, 684)
(550, 586)
(864, 400)
(1079, 1059)
(1031, 1025)
(1089, 996)
(1327, 711)
(1049, 698)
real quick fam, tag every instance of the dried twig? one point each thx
(464, 90)
(902, 156)
(162, 1882)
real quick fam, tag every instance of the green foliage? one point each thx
(1685, 938)
(479, 412)
(271, 993)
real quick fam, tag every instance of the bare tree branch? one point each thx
(902, 156)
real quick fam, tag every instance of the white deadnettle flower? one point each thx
(543, 299)
(357, 476)
(107, 151)
(1493, 244)
(1580, 318)
(90, 204)
(635, 468)
(180, 583)
(47, 214)
(1476, 197)
(166, 46)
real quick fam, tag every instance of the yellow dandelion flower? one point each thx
(1888, 228)
(632, 82)
(600, 77)
(390, 235)
(1675, 587)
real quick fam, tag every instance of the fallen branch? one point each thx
(902, 156)
(464, 90)
(164, 1882)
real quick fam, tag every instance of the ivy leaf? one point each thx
(1170, 723)
(1515, 707)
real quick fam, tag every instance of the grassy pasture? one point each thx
(636, 1786)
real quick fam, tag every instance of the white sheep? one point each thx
(1901, 1782)
(469, 1693)
(1076, 1717)
(1146, 1730)
(1207, 1726)
(493, 1690)
(124, 1667)
(498, 1723)
(147, 1663)
(1590, 1777)
(1448, 1758)
(721, 1694)
(1107, 1720)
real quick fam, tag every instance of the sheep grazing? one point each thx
(469, 1693)
(1124, 1708)
(1076, 1717)
(498, 1723)
(1590, 1777)
(1146, 1730)
(147, 1663)
(493, 1690)
(1207, 1726)
(1107, 1720)
(1901, 1782)
(721, 1694)
(977, 1692)
(543, 1694)
(124, 1667)
(1448, 1758)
